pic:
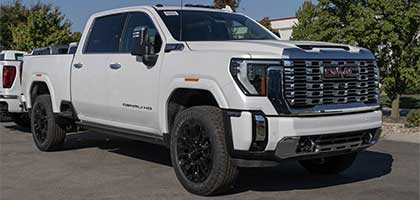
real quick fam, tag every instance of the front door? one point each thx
(133, 85)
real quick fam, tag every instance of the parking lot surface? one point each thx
(95, 166)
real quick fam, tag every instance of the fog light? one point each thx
(260, 135)
(307, 145)
(368, 138)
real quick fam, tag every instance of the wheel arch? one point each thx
(185, 94)
(40, 87)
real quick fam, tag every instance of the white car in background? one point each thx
(11, 66)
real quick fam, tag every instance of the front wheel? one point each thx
(47, 133)
(198, 150)
(329, 165)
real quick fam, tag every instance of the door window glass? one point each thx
(106, 34)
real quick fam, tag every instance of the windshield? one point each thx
(212, 26)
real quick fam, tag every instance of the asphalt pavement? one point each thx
(94, 166)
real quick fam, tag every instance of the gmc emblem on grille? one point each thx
(340, 72)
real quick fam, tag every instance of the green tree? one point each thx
(306, 15)
(10, 15)
(267, 24)
(75, 36)
(390, 28)
(234, 4)
(45, 25)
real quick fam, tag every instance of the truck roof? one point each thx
(159, 7)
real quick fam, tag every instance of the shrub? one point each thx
(413, 118)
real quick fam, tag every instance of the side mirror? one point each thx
(143, 47)
(140, 41)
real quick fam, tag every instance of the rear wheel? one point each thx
(47, 133)
(199, 153)
(329, 165)
(21, 119)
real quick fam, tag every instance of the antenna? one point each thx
(181, 20)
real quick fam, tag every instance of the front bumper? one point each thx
(10, 103)
(345, 134)
(326, 145)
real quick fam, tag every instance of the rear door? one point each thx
(90, 78)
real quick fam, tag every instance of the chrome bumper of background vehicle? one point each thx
(9, 97)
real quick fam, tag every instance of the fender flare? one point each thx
(42, 78)
(180, 83)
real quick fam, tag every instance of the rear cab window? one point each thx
(19, 56)
(105, 34)
(2, 57)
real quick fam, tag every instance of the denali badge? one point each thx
(340, 72)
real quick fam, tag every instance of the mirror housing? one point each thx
(140, 41)
(143, 47)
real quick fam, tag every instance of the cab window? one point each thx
(105, 34)
(19, 56)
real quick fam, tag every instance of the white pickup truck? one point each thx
(215, 87)
(10, 87)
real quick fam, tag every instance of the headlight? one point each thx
(251, 75)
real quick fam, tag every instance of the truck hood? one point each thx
(285, 49)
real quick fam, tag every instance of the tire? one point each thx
(329, 165)
(48, 135)
(21, 119)
(199, 153)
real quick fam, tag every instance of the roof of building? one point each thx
(283, 19)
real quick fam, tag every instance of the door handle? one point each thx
(115, 66)
(78, 65)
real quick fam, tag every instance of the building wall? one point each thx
(284, 26)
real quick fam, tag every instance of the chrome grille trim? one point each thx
(305, 85)
(328, 143)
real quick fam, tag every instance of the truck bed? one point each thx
(51, 69)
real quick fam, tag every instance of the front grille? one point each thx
(306, 86)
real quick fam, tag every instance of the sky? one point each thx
(79, 11)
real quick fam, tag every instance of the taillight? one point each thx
(9, 75)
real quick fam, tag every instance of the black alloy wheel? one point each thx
(40, 123)
(48, 134)
(199, 153)
(194, 151)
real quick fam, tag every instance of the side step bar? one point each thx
(124, 133)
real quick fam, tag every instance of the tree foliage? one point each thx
(234, 4)
(267, 24)
(10, 15)
(36, 26)
(390, 28)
